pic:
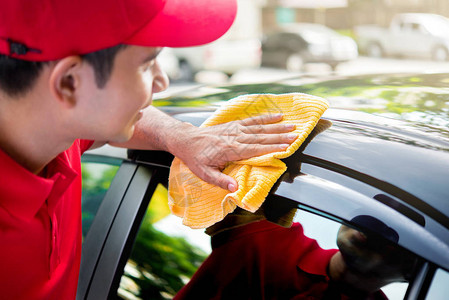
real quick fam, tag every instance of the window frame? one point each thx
(109, 241)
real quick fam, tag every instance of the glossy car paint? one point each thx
(394, 170)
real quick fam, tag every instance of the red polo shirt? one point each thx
(40, 227)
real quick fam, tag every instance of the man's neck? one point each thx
(29, 135)
(33, 158)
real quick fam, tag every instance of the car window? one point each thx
(406, 26)
(165, 254)
(439, 288)
(438, 26)
(97, 177)
(274, 41)
(325, 232)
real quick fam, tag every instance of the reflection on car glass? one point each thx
(160, 263)
(253, 256)
(373, 254)
(405, 210)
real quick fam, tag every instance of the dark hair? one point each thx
(18, 76)
(102, 61)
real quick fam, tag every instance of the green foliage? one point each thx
(96, 180)
(94, 185)
(161, 263)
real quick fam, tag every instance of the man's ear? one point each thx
(65, 79)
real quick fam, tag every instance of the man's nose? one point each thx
(160, 81)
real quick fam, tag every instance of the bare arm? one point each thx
(207, 150)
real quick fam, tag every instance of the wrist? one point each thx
(178, 138)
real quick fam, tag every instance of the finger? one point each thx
(215, 177)
(268, 139)
(261, 119)
(269, 128)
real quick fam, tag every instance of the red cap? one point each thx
(42, 30)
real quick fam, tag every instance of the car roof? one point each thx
(392, 152)
(393, 169)
(372, 166)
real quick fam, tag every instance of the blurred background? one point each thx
(276, 39)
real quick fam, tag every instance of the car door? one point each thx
(316, 182)
(325, 198)
(114, 223)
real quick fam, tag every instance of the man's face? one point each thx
(114, 109)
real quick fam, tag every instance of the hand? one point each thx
(207, 150)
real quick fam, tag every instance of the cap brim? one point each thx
(184, 23)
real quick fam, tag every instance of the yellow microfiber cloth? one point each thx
(201, 204)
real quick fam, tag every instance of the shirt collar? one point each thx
(23, 193)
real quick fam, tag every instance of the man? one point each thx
(253, 258)
(78, 74)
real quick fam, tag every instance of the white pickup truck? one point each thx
(417, 35)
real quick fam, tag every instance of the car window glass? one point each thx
(275, 41)
(97, 178)
(415, 26)
(439, 288)
(438, 26)
(325, 232)
(165, 254)
(406, 27)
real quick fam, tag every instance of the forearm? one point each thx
(206, 150)
(156, 131)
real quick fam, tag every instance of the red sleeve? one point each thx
(85, 145)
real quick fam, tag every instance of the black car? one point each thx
(394, 169)
(294, 45)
